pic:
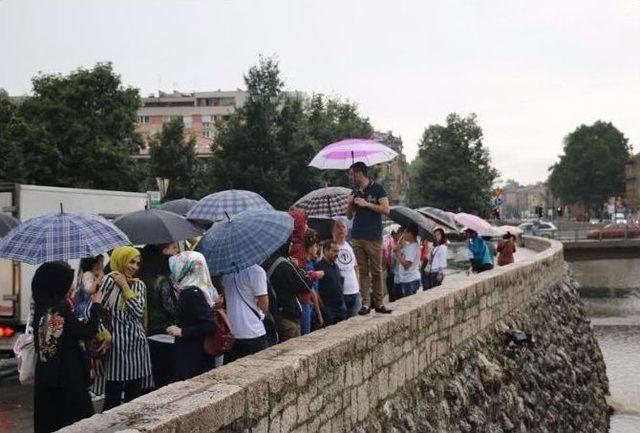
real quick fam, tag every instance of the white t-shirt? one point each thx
(241, 288)
(346, 262)
(438, 258)
(411, 253)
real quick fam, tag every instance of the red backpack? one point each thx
(221, 341)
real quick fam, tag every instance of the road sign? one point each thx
(497, 201)
(496, 192)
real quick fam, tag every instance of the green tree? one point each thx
(11, 157)
(591, 169)
(453, 168)
(174, 158)
(78, 130)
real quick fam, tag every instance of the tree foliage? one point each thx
(591, 169)
(453, 169)
(174, 157)
(267, 144)
(76, 130)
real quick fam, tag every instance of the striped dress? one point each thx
(128, 358)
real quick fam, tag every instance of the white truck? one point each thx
(30, 201)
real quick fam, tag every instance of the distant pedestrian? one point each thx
(424, 263)
(348, 266)
(127, 365)
(61, 395)
(506, 249)
(194, 318)
(247, 300)
(407, 252)
(311, 313)
(389, 261)
(367, 204)
(437, 260)
(331, 284)
(481, 257)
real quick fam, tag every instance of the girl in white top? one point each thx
(407, 253)
(437, 259)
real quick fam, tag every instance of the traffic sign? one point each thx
(497, 201)
(496, 192)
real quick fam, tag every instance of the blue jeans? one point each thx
(410, 288)
(334, 315)
(305, 318)
(353, 303)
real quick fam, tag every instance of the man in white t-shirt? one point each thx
(247, 302)
(348, 266)
(407, 252)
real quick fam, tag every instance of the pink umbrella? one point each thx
(477, 224)
(511, 229)
(342, 154)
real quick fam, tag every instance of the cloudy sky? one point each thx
(531, 70)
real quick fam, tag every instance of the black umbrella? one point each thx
(180, 206)
(156, 227)
(406, 216)
(322, 225)
(439, 216)
(7, 222)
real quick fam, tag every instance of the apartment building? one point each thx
(632, 182)
(199, 112)
(393, 175)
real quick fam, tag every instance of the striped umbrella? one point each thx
(61, 236)
(245, 240)
(329, 202)
(219, 205)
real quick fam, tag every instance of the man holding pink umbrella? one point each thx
(367, 204)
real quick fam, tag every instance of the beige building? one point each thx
(632, 182)
(199, 112)
(393, 175)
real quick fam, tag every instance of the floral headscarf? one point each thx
(189, 269)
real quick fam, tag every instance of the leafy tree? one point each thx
(78, 130)
(592, 167)
(453, 168)
(174, 158)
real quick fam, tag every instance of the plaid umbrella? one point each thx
(245, 240)
(219, 205)
(7, 223)
(330, 201)
(180, 206)
(61, 236)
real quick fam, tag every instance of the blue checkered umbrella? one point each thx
(216, 206)
(61, 236)
(245, 240)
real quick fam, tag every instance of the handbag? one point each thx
(222, 339)
(25, 352)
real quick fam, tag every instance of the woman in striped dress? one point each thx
(127, 364)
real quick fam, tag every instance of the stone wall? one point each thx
(440, 362)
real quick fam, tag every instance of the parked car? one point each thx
(619, 218)
(615, 231)
(544, 228)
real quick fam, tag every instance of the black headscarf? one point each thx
(154, 264)
(50, 284)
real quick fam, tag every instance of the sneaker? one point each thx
(383, 310)
(364, 311)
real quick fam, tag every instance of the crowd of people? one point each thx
(139, 322)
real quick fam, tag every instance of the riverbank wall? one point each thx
(446, 360)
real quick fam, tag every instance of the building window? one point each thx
(143, 120)
(208, 134)
(166, 119)
(187, 121)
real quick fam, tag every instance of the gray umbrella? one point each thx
(156, 227)
(7, 222)
(439, 216)
(329, 201)
(406, 216)
(180, 206)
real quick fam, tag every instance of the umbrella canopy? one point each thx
(155, 226)
(439, 216)
(342, 154)
(61, 236)
(245, 240)
(219, 205)
(406, 216)
(323, 225)
(511, 229)
(329, 202)
(477, 224)
(7, 222)
(180, 206)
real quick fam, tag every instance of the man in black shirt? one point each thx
(330, 286)
(367, 204)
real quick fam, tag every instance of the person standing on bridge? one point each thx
(506, 249)
(367, 203)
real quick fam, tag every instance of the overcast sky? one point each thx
(531, 70)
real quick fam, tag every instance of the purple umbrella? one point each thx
(341, 155)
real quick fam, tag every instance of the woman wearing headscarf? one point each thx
(61, 395)
(127, 364)
(194, 320)
(162, 304)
